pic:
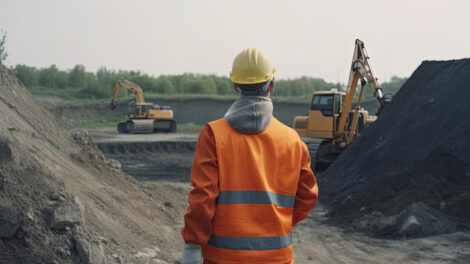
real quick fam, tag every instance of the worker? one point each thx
(251, 177)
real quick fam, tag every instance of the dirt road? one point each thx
(164, 159)
(110, 135)
(317, 242)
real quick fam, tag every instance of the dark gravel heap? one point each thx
(417, 151)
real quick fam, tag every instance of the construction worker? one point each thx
(251, 177)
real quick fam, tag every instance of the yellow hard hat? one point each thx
(251, 66)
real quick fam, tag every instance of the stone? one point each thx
(55, 196)
(89, 252)
(103, 240)
(8, 229)
(63, 252)
(6, 153)
(21, 232)
(114, 164)
(9, 222)
(65, 214)
(410, 227)
(387, 225)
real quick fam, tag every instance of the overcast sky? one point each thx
(303, 38)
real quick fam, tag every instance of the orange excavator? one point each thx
(146, 117)
(331, 116)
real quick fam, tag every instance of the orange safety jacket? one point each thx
(262, 187)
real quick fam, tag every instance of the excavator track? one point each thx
(140, 126)
(147, 126)
(122, 127)
(326, 154)
(164, 125)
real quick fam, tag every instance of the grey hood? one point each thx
(250, 114)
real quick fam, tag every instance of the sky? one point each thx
(303, 38)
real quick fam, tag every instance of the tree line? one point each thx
(80, 83)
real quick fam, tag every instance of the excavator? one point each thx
(145, 117)
(331, 116)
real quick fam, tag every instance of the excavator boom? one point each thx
(360, 71)
(134, 88)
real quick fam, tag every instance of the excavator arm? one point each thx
(362, 66)
(360, 70)
(134, 88)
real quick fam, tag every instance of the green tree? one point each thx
(27, 75)
(61, 79)
(3, 52)
(77, 77)
(164, 85)
(394, 84)
(224, 85)
(196, 86)
(80, 83)
(388, 88)
(48, 76)
(106, 79)
(303, 86)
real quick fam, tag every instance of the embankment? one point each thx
(186, 110)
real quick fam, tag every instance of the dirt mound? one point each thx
(62, 201)
(416, 152)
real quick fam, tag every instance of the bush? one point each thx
(79, 83)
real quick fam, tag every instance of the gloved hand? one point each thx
(191, 254)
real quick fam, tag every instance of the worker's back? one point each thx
(251, 177)
(258, 179)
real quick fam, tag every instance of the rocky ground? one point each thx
(63, 201)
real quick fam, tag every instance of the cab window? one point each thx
(337, 104)
(323, 102)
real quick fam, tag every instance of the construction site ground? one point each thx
(79, 196)
(168, 163)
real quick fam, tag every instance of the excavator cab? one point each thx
(140, 110)
(322, 115)
(328, 104)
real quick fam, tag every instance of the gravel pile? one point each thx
(414, 158)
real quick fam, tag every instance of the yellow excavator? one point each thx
(145, 117)
(331, 116)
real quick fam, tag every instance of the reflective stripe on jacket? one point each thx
(265, 186)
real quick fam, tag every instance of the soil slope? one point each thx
(413, 161)
(62, 201)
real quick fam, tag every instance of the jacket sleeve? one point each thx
(205, 179)
(307, 190)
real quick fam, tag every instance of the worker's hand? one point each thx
(191, 254)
